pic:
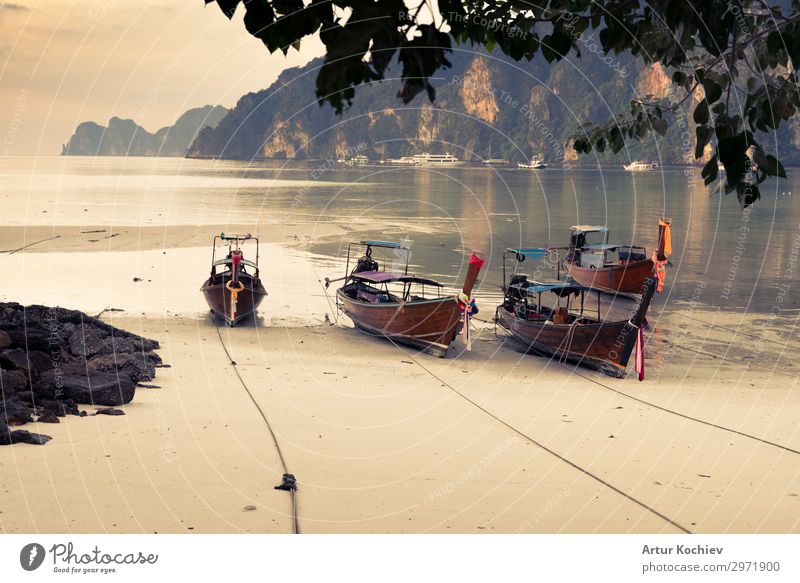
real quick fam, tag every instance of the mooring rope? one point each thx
(289, 483)
(737, 331)
(684, 415)
(542, 446)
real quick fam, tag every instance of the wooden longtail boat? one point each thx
(614, 268)
(234, 292)
(403, 313)
(572, 332)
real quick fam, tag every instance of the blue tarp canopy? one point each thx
(537, 288)
(388, 244)
(531, 252)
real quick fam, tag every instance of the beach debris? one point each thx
(12, 251)
(137, 279)
(249, 508)
(144, 386)
(93, 231)
(52, 360)
(109, 309)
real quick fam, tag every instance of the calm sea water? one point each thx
(722, 257)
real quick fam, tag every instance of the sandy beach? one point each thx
(382, 439)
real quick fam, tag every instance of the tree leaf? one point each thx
(700, 115)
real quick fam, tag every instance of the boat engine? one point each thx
(514, 294)
(366, 263)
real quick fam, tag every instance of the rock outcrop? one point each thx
(124, 137)
(486, 106)
(52, 360)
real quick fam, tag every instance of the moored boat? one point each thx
(234, 290)
(437, 160)
(640, 166)
(566, 327)
(394, 305)
(403, 161)
(496, 162)
(536, 163)
(611, 267)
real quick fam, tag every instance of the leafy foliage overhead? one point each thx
(732, 60)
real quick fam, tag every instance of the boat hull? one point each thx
(429, 325)
(605, 346)
(626, 278)
(218, 298)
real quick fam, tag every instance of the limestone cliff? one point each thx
(486, 105)
(124, 137)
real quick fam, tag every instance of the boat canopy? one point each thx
(530, 253)
(600, 247)
(386, 244)
(589, 228)
(561, 288)
(389, 277)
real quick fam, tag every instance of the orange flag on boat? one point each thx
(664, 238)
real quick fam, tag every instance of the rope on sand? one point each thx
(683, 415)
(289, 483)
(737, 331)
(12, 251)
(542, 446)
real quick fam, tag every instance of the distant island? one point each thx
(124, 137)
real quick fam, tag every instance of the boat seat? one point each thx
(372, 298)
(561, 316)
(367, 297)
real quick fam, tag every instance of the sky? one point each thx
(63, 62)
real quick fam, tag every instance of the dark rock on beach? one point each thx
(47, 416)
(109, 411)
(7, 437)
(52, 359)
(99, 389)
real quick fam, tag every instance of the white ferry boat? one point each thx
(437, 160)
(404, 161)
(640, 166)
(536, 163)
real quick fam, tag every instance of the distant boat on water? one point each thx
(359, 160)
(536, 163)
(437, 160)
(496, 162)
(403, 161)
(640, 166)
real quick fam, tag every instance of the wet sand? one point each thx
(376, 435)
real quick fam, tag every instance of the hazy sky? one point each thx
(63, 62)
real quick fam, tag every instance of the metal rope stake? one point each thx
(289, 482)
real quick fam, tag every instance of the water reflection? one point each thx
(742, 257)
